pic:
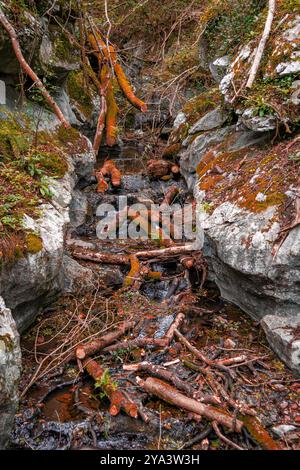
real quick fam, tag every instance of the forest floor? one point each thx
(177, 346)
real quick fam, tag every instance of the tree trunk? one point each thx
(28, 70)
(262, 44)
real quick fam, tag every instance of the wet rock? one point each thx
(84, 162)
(215, 118)
(78, 208)
(179, 120)
(283, 429)
(10, 369)
(258, 123)
(231, 139)
(218, 68)
(76, 276)
(238, 246)
(284, 336)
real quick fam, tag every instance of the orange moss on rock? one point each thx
(254, 179)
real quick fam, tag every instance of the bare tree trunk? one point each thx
(28, 70)
(262, 44)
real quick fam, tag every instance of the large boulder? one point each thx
(10, 368)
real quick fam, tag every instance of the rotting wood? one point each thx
(172, 396)
(98, 344)
(100, 257)
(161, 373)
(118, 400)
(137, 343)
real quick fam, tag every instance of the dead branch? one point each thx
(162, 373)
(169, 394)
(118, 400)
(137, 343)
(100, 257)
(98, 344)
(175, 325)
(260, 434)
(107, 258)
(28, 70)
(224, 438)
(262, 44)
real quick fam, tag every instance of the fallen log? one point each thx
(98, 344)
(137, 343)
(172, 396)
(97, 257)
(260, 434)
(118, 400)
(166, 252)
(161, 373)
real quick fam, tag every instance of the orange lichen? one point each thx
(252, 179)
(134, 271)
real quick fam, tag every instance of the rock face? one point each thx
(284, 336)
(10, 369)
(242, 213)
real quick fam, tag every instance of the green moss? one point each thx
(7, 340)
(34, 243)
(201, 104)
(77, 92)
(25, 166)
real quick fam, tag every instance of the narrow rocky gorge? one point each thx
(218, 322)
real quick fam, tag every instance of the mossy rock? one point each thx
(34, 243)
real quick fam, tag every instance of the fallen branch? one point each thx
(97, 257)
(137, 343)
(169, 394)
(175, 325)
(260, 434)
(262, 44)
(107, 258)
(28, 70)
(118, 400)
(98, 344)
(161, 373)
(224, 438)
